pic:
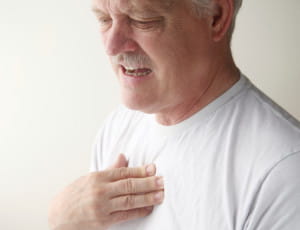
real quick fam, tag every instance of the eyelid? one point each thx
(104, 21)
(147, 21)
(146, 25)
(143, 22)
(104, 18)
(150, 19)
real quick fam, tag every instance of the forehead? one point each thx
(152, 4)
(129, 6)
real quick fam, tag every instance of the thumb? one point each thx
(120, 162)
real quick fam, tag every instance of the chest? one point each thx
(194, 192)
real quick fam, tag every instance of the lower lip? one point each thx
(133, 79)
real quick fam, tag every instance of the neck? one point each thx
(220, 81)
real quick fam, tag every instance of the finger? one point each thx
(136, 185)
(130, 202)
(120, 162)
(124, 173)
(123, 216)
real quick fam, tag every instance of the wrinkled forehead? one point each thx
(127, 6)
(157, 4)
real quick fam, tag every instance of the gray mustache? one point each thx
(132, 59)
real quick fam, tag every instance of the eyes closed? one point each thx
(151, 23)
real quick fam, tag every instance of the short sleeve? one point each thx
(277, 202)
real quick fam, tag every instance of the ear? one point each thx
(221, 18)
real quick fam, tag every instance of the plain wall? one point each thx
(56, 87)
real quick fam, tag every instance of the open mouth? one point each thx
(136, 72)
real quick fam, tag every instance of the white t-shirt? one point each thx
(234, 165)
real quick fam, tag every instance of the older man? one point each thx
(204, 149)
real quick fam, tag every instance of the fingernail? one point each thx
(160, 182)
(150, 169)
(159, 196)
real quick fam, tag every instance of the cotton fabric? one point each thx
(234, 165)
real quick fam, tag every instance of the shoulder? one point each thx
(277, 201)
(274, 124)
(257, 133)
(262, 122)
(264, 141)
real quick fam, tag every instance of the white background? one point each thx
(56, 87)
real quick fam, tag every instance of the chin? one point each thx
(138, 103)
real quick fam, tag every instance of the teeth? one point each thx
(138, 74)
(135, 72)
(130, 68)
(133, 68)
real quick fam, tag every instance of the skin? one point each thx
(101, 199)
(191, 65)
(190, 56)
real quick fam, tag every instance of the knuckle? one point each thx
(100, 174)
(129, 202)
(95, 191)
(111, 173)
(92, 179)
(97, 210)
(93, 211)
(129, 186)
(123, 172)
(101, 191)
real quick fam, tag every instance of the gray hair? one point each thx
(204, 7)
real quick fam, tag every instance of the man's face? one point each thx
(159, 50)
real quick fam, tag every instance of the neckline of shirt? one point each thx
(202, 115)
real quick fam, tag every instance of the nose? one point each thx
(118, 40)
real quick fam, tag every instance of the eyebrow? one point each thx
(141, 13)
(147, 10)
(152, 6)
(97, 11)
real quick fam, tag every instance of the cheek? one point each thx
(160, 50)
(170, 54)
